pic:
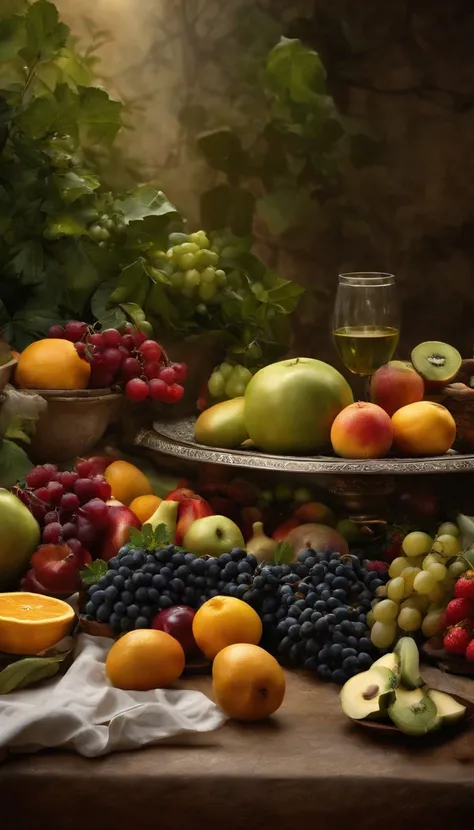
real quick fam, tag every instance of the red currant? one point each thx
(131, 368)
(42, 494)
(174, 393)
(84, 468)
(81, 349)
(112, 359)
(112, 338)
(139, 338)
(137, 390)
(101, 378)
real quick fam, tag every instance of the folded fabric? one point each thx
(81, 711)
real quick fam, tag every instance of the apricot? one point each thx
(396, 384)
(362, 430)
(423, 428)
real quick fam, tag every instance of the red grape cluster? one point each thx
(129, 359)
(69, 506)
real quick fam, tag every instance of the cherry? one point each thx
(139, 338)
(112, 338)
(128, 341)
(181, 371)
(158, 389)
(151, 350)
(96, 339)
(56, 332)
(112, 359)
(81, 349)
(168, 375)
(131, 368)
(152, 370)
(174, 393)
(69, 502)
(137, 390)
(75, 331)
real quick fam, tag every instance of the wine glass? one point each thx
(366, 324)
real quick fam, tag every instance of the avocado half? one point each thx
(406, 651)
(388, 661)
(414, 712)
(369, 694)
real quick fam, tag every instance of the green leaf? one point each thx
(223, 150)
(146, 201)
(37, 119)
(12, 38)
(91, 574)
(132, 285)
(29, 262)
(284, 554)
(297, 70)
(65, 225)
(30, 670)
(14, 463)
(72, 185)
(284, 209)
(45, 34)
(134, 312)
(98, 117)
(158, 304)
(149, 538)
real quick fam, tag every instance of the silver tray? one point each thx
(176, 438)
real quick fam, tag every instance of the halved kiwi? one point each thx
(438, 363)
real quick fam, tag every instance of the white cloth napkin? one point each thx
(81, 711)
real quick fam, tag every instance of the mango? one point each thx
(222, 425)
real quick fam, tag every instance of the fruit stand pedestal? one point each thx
(306, 766)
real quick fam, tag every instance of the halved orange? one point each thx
(29, 623)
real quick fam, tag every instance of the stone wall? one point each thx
(406, 67)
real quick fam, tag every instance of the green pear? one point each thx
(19, 537)
(165, 514)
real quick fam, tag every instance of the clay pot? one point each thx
(73, 423)
(6, 372)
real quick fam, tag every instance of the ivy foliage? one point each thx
(70, 248)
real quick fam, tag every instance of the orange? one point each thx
(423, 428)
(144, 659)
(247, 682)
(127, 482)
(51, 364)
(222, 621)
(144, 507)
(29, 623)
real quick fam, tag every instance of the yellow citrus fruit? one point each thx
(223, 621)
(247, 682)
(127, 482)
(144, 507)
(144, 659)
(29, 623)
(51, 364)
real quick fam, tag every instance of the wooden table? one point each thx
(308, 767)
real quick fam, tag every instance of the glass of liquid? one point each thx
(366, 324)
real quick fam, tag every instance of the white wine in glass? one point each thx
(366, 323)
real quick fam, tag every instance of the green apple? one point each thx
(19, 537)
(290, 406)
(212, 536)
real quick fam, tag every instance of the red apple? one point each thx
(284, 529)
(188, 511)
(178, 622)
(121, 519)
(57, 568)
(180, 494)
(224, 507)
(31, 583)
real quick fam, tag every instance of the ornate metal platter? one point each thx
(176, 438)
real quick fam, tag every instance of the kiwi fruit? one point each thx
(414, 712)
(438, 363)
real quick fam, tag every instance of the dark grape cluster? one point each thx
(313, 612)
(126, 357)
(139, 584)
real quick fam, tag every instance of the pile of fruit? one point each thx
(79, 356)
(313, 408)
(421, 583)
(392, 689)
(313, 612)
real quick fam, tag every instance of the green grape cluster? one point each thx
(190, 265)
(228, 381)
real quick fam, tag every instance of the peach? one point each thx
(362, 430)
(395, 385)
(316, 513)
(423, 428)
